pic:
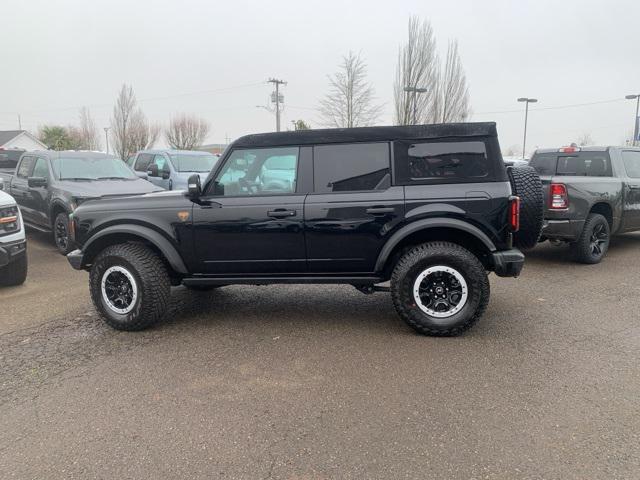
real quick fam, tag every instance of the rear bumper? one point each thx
(10, 252)
(75, 259)
(562, 229)
(508, 263)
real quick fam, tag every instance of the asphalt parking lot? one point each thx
(312, 382)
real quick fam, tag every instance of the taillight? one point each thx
(514, 213)
(558, 197)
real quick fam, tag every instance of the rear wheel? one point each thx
(440, 288)
(593, 243)
(14, 273)
(129, 286)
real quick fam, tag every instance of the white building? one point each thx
(19, 140)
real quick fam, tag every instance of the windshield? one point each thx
(185, 162)
(95, 168)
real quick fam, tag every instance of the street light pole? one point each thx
(106, 139)
(635, 119)
(415, 91)
(526, 118)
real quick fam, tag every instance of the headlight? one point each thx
(9, 220)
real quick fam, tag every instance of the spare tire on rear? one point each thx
(526, 184)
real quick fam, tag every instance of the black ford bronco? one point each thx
(430, 208)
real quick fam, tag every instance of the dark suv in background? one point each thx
(592, 193)
(429, 208)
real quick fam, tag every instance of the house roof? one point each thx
(8, 135)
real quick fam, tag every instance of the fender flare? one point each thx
(55, 203)
(158, 240)
(425, 224)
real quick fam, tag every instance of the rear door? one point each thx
(353, 207)
(631, 214)
(20, 187)
(39, 196)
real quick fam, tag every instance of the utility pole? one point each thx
(636, 124)
(19, 123)
(415, 91)
(526, 116)
(276, 99)
(106, 139)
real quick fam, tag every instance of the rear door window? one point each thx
(425, 162)
(631, 161)
(26, 167)
(584, 164)
(351, 167)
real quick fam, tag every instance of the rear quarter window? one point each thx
(420, 162)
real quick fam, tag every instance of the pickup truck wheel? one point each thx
(15, 273)
(526, 184)
(129, 286)
(61, 233)
(440, 288)
(593, 243)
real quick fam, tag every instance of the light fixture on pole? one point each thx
(415, 91)
(526, 117)
(636, 126)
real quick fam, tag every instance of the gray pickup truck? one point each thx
(592, 193)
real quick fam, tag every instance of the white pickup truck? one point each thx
(13, 244)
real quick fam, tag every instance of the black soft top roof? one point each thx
(367, 134)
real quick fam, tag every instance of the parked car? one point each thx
(13, 244)
(592, 193)
(429, 208)
(49, 185)
(8, 161)
(170, 169)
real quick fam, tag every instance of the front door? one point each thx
(631, 214)
(353, 208)
(250, 220)
(20, 188)
(38, 196)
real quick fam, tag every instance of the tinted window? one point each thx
(348, 168)
(40, 170)
(26, 165)
(423, 162)
(258, 171)
(545, 163)
(143, 161)
(631, 161)
(584, 164)
(185, 162)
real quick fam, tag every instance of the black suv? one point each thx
(430, 208)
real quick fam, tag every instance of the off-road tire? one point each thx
(152, 281)
(419, 258)
(62, 221)
(14, 273)
(582, 249)
(526, 184)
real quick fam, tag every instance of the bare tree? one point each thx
(452, 94)
(89, 135)
(513, 151)
(350, 101)
(585, 139)
(417, 68)
(130, 128)
(186, 132)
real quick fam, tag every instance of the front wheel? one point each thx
(61, 233)
(440, 288)
(15, 273)
(129, 286)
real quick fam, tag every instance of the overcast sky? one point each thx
(213, 58)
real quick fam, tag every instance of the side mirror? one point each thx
(194, 188)
(152, 170)
(36, 182)
(166, 174)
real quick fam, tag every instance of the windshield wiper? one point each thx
(113, 178)
(76, 179)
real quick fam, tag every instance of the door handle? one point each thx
(379, 210)
(281, 213)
